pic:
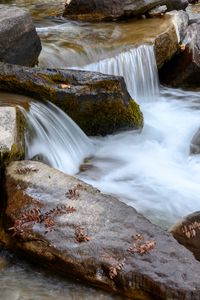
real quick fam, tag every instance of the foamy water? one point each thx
(153, 171)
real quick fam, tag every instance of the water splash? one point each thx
(55, 138)
(139, 69)
(153, 171)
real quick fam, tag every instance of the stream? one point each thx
(151, 170)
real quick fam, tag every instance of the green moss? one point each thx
(106, 117)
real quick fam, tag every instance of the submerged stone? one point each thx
(61, 222)
(19, 42)
(99, 104)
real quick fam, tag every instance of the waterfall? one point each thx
(54, 138)
(139, 69)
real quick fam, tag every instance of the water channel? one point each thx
(150, 170)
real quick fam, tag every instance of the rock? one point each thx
(186, 232)
(184, 69)
(195, 143)
(180, 20)
(97, 10)
(23, 45)
(176, 4)
(61, 222)
(11, 138)
(166, 44)
(157, 11)
(99, 104)
(194, 15)
(193, 1)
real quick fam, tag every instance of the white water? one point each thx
(151, 171)
(56, 138)
(138, 67)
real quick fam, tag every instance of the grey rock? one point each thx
(181, 21)
(195, 143)
(95, 10)
(176, 4)
(11, 137)
(184, 69)
(92, 242)
(19, 42)
(157, 11)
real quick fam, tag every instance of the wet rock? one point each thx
(11, 137)
(166, 44)
(184, 69)
(61, 222)
(195, 143)
(177, 4)
(23, 45)
(157, 11)
(99, 104)
(96, 10)
(193, 1)
(187, 231)
(181, 21)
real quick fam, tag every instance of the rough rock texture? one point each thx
(177, 4)
(195, 143)
(181, 21)
(167, 43)
(99, 104)
(184, 69)
(187, 231)
(19, 42)
(95, 10)
(91, 242)
(11, 134)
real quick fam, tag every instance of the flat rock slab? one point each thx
(68, 225)
(11, 137)
(19, 42)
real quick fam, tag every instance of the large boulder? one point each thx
(96, 10)
(99, 104)
(195, 143)
(184, 69)
(186, 232)
(11, 137)
(19, 42)
(61, 222)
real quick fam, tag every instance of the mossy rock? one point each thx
(100, 104)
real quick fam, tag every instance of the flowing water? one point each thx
(151, 171)
(54, 138)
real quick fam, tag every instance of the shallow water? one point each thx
(20, 281)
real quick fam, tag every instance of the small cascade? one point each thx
(54, 138)
(139, 69)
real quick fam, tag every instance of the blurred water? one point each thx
(54, 138)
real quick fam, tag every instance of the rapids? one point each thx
(151, 171)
